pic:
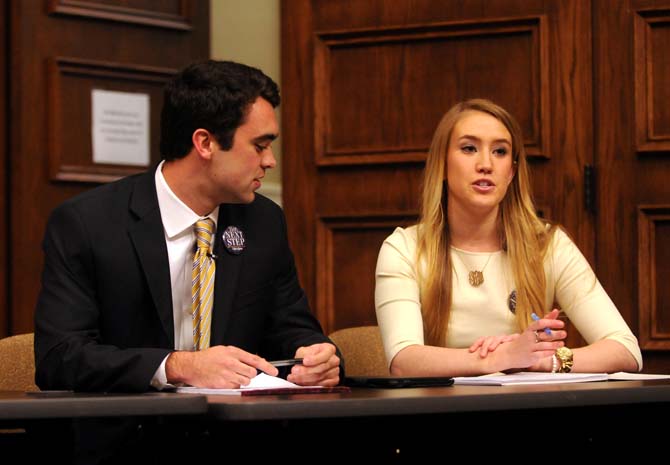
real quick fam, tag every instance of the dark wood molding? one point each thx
(298, 182)
(327, 268)
(650, 284)
(5, 250)
(330, 41)
(180, 20)
(56, 59)
(112, 73)
(648, 52)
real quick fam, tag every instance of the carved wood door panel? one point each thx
(365, 84)
(59, 51)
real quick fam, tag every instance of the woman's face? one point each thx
(479, 163)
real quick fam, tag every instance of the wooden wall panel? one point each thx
(366, 83)
(4, 150)
(71, 82)
(560, 184)
(607, 90)
(346, 260)
(404, 78)
(615, 120)
(653, 276)
(661, 318)
(652, 68)
(369, 190)
(630, 82)
(384, 13)
(299, 189)
(50, 144)
(660, 95)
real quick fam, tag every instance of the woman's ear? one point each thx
(512, 171)
(204, 143)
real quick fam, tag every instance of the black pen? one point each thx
(286, 363)
(289, 362)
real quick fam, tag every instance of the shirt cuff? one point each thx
(159, 380)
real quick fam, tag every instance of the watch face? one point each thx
(564, 352)
(564, 355)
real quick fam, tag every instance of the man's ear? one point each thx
(204, 143)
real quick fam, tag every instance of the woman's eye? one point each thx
(468, 149)
(501, 151)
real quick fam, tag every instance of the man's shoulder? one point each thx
(115, 191)
(264, 203)
(108, 204)
(260, 207)
(267, 206)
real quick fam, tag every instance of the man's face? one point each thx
(237, 172)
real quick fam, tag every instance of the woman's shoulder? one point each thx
(560, 238)
(562, 247)
(403, 234)
(403, 238)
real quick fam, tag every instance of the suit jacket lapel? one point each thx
(148, 238)
(228, 268)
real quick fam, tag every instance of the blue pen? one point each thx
(536, 318)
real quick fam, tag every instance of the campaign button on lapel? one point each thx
(233, 240)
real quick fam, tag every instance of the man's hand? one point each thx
(320, 366)
(217, 367)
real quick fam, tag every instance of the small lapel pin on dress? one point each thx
(511, 301)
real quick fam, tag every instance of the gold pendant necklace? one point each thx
(476, 277)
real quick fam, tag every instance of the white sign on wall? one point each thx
(120, 127)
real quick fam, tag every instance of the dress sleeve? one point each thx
(583, 299)
(397, 296)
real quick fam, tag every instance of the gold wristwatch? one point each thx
(564, 356)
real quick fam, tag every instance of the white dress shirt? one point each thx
(178, 226)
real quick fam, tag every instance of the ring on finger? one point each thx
(537, 337)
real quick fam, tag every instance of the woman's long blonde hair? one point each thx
(524, 235)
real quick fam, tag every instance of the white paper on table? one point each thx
(261, 381)
(530, 378)
(623, 376)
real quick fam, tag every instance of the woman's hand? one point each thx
(534, 348)
(545, 364)
(487, 344)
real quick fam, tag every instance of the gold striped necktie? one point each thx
(202, 284)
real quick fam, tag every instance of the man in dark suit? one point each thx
(115, 309)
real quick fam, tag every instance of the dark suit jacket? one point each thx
(104, 319)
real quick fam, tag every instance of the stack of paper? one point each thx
(264, 384)
(623, 376)
(530, 378)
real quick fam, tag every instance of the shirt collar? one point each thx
(176, 215)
